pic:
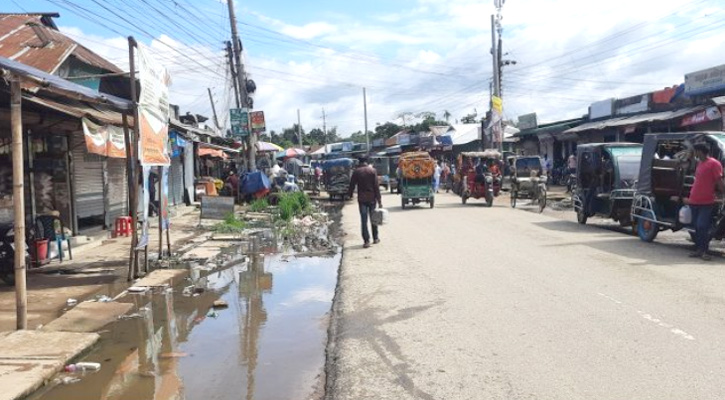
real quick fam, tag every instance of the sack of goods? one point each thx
(379, 216)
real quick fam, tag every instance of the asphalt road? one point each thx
(467, 302)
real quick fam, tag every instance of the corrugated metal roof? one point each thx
(19, 42)
(80, 109)
(634, 120)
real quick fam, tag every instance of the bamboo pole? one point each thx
(21, 296)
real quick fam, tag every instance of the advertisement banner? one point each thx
(705, 81)
(104, 140)
(145, 199)
(96, 138)
(258, 124)
(116, 144)
(528, 121)
(497, 103)
(153, 110)
(164, 200)
(707, 115)
(239, 120)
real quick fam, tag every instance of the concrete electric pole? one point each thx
(299, 129)
(242, 82)
(365, 111)
(324, 126)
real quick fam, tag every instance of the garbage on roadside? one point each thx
(138, 289)
(83, 366)
(130, 316)
(212, 314)
(220, 304)
(68, 380)
(104, 299)
(173, 354)
(71, 302)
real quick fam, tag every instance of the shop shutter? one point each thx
(117, 190)
(87, 180)
(176, 182)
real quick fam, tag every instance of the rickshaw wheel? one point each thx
(647, 230)
(542, 200)
(464, 199)
(514, 194)
(432, 202)
(402, 203)
(489, 199)
(581, 216)
(8, 278)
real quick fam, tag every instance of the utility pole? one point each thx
(496, 123)
(324, 126)
(213, 109)
(16, 123)
(242, 82)
(233, 70)
(299, 129)
(365, 110)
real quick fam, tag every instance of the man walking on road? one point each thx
(708, 180)
(368, 194)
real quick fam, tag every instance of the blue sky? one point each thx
(411, 55)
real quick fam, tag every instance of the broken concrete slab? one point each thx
(163, 277)
(28, 359)
(89, 317)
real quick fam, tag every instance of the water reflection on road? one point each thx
(268, 344)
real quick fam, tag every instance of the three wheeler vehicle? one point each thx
(382, 167)
(528, 180)
(666, 176)
(336, 175)
(605, 183)
(480, 175)
(417, 178)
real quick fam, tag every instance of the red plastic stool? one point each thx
(123, 227)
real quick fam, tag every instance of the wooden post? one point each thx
(16, 123)
(159, 190)
(132, 197)
(131, 163)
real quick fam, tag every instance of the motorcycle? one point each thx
(7, 253)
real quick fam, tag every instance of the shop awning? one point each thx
(212, 153)
(549, 129)
(217, 147)
(635, 119)
(80, 110)
(56, 84)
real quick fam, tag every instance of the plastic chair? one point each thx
(46, 227)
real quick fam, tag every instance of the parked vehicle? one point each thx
(393, 176)
(382, 167)
(336, 175)
(480, 175)
(417, 178)
(666, 176)
(7, 251)
(605, 183)
(528, 180)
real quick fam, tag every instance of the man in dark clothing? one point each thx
(368, 194)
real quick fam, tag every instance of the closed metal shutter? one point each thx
(176, 182)
(117, 190)
(87, 180)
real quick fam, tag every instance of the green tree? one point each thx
(446, 115)
(357, 137)
(470, 118)
(386, 130)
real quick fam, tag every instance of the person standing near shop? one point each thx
(368, 195)
(708, 181)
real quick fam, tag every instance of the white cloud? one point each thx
(435, 57)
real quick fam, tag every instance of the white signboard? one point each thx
(705, 81)
(601, 109)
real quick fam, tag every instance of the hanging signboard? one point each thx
(707, 115)
(257, 119)
(153, 110)
(239, 119)
(104, 140)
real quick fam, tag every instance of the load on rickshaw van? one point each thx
(605, 182)
(479, 175)
(528, 180)
(666, 176)
(417, 169)
(336, 175)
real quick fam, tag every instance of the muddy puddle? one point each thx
(267, 343)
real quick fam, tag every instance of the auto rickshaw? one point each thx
(528, 180)
(382, 167)
(605, 183)
(480, 175)
(336, 175)
(417, 169)
(666, 175)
